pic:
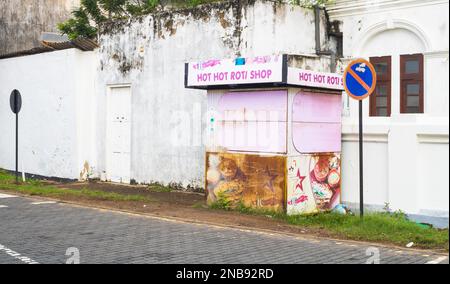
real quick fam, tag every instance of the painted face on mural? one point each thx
(225, 181)
(246, 179)
(321, 170)
(228, 169)
(325, 181)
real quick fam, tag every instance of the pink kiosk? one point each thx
(273, 132)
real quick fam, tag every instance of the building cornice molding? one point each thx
(346, 8)
(426, 138)
(437, 54)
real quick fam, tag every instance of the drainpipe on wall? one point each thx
(319, 50)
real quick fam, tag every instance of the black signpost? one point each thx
(361, 161)
(15, 101)
(360, 80)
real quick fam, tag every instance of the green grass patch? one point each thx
(37, 188)
(384, 227)
(6, 178)
(223, 203)
(156, 187)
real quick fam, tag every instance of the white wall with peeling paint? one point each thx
(55, 124)
(22, 22)
(150, 55)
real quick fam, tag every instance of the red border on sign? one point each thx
(374, 74)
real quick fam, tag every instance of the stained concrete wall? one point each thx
(150, 53)
(23, 21)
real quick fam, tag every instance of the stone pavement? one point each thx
(35, 231)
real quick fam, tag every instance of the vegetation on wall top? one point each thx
(91, 14)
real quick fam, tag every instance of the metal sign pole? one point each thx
(17, 148)
(361, 161)
(15, 102)
(360, 80)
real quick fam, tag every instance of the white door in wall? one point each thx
(118, 134)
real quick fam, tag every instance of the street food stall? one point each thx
(273, 133)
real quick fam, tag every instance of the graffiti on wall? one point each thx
(251, 180)
(314, 183)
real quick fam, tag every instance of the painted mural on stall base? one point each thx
(314, 183)
(251, 180)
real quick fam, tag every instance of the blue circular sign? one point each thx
(360, 79)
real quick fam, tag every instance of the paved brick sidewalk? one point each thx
(43, 232)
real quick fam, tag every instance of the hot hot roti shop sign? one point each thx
(309, 78)
(261, 69)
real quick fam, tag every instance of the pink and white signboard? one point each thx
(254, 70)
(308, 78)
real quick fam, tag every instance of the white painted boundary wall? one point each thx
(149, 55)
(55, 124)
(406, 155)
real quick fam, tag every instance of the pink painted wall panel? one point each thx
(252, 121)
(267, 137)
(317, 107)
(254, 105)
(316, 137)
(316, 125)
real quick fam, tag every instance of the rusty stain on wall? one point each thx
(84, 174)
(251, 180)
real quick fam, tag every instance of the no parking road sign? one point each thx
(15, 101)
(360, 79)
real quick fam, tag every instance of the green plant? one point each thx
(157, 187)
(222, 203)
(193, 3)
(311, 3)
(387, 207)
(92, 14)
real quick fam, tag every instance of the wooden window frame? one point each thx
(411, 78)
(387, 80)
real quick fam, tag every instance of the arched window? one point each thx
(396, 50)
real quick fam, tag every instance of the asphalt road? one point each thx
(35, 231)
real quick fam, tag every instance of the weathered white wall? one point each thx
(406, 155)
(22, 22)
(55, 123)
(150, 55)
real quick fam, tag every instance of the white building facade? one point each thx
(406, 120)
